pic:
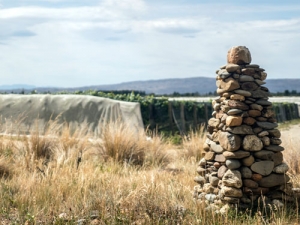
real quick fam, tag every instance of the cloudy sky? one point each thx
(71, 43)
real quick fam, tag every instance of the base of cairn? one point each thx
(243, 159)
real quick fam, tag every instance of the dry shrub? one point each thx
(193, 143)
(6, 169)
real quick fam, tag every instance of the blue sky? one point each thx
(71, 43)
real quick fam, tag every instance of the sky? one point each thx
(73, 43)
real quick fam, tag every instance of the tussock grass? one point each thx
(122, 178)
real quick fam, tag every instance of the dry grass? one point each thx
(121, 179)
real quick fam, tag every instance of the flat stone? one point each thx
(230, 142)
(246, 78)
(234, 112)
(267, 125)
(233, 164)
(263, 102)
(277, 158)
(232, 67)
(236, 154)
(216, 148)
(249, 86)
(237, 105)
(274, 133)
(237, 97)
(273, 180)
(250, 183)
(263, 133)
(252, 143)
(276, 141)
(220, 158)
(256, 107)
(233, 121)
(263, 167)
(246, 172)
(260, 94)
(243, 129)
(232, 178)
(274, 148)
(248, 71)
(264, 154)
(282, 168)
(252, 66)
(231, 192)
(254, 113)
(239, 55)
(259, 82)
(261, 119)
(248, 161)
(221, 171)
(243, 92)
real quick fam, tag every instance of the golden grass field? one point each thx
(122, 178)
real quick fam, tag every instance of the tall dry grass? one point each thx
(124, 178)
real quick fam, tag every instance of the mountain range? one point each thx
(202, 85)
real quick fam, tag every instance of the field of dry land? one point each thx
(124, 178)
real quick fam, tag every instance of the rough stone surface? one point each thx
(232, 178)
(243, 129)
(252, 143)
(231, 192)
(234, 104)
(236, 154)
(230, 142)
(263, 167)
(239, 55)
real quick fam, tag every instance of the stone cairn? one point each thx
(242, 158)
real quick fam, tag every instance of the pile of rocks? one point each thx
(243, 158)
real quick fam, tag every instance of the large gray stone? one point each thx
(246, 172)
(233, 164)
(274, 148)
(273, 180)
(267, 125)
(263, 167)
(243, 92)
(234, 104)
(252, 143)
(264, 154)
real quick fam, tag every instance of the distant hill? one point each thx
(202, 85)
(16, 86)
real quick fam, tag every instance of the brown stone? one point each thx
(209, 156)
(239, 55)
(256, 177)
(221, 171)
(266, 141)
(243, 129)
(250, 183)
(254, 113)
(249, 121)
(232, 67)
(201, 171)
(220, 158)
(256, 107)
(248, 161)
(274, 133)
(216, 148)
(233, 121)
(229, 84)
(237, 105)
(213, 122)
(249, 86)
(277, 158)
(237, 97)
(263, 75)
(217, 164)
(230, 142)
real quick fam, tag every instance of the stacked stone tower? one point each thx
(243, 158)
